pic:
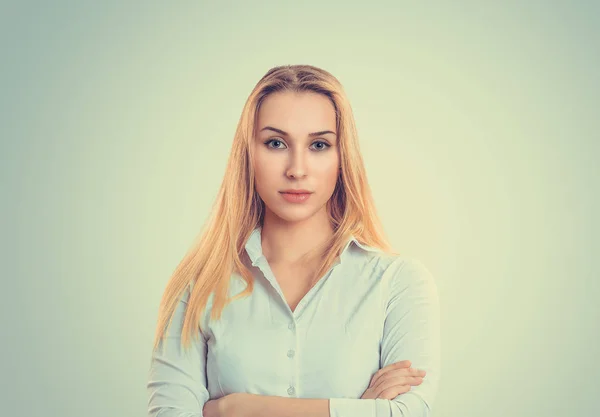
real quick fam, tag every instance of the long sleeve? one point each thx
(411, 331)
(177, 378)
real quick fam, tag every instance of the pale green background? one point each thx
(478, 122)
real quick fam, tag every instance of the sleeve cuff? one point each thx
(352, 407)
(407, 404)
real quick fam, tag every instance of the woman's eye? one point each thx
(326, 145)
(271, 141)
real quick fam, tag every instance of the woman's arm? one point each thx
(251, 405)
(177, 379)
(411, 331)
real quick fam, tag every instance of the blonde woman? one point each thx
(292, 303)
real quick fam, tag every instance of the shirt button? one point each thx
(291, 326)
(291, 353)
(291, 390)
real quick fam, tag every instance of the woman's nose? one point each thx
(297, 167)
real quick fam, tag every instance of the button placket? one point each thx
(291, 354)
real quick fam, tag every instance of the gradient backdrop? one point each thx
(478, 123)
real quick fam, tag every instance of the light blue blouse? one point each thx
(370, 310)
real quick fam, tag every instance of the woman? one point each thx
(292, 303)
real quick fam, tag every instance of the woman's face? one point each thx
(286, 156)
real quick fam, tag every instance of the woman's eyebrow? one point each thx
(281, 132)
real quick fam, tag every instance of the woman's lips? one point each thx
(295, 197)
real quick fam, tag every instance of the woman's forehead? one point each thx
(297, 113)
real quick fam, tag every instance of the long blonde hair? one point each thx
(238, 210)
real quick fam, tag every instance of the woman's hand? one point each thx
(228, 405)
(393, 380)
(214, 408)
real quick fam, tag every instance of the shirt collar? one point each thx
(254, 247)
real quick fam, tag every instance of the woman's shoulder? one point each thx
(403, 269)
